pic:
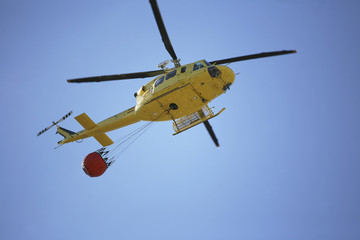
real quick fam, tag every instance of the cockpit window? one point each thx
(159, 81)
(207, 63)
(171, 74)
(183, 69)
(214, 71)
(197, 66)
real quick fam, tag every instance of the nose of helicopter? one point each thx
(227, 75)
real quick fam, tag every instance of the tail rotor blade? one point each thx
(45, 129)
(64, 117)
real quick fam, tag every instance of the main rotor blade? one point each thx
(117, 77)
(252, 56)
(211, 132)
(162, 29)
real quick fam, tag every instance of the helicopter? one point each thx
(180, 94)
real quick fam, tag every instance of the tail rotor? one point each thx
(55, 123)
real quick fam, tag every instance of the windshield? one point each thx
(159, 81)
(197, 66)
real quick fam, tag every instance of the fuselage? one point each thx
(182, 91)
(179, 92)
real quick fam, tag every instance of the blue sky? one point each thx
(288, 163)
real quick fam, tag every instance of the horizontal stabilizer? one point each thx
(85, 121)
(103, 139)
(89, 124)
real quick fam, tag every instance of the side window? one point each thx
(159, 81)
(183, 69)
(171, 74)
(197, 66)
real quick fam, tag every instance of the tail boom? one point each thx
(91, 129)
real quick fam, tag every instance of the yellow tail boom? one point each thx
(91, 129)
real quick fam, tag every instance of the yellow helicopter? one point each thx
(180, 94)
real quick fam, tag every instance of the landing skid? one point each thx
(204, 114)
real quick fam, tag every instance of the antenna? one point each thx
(163, 64)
